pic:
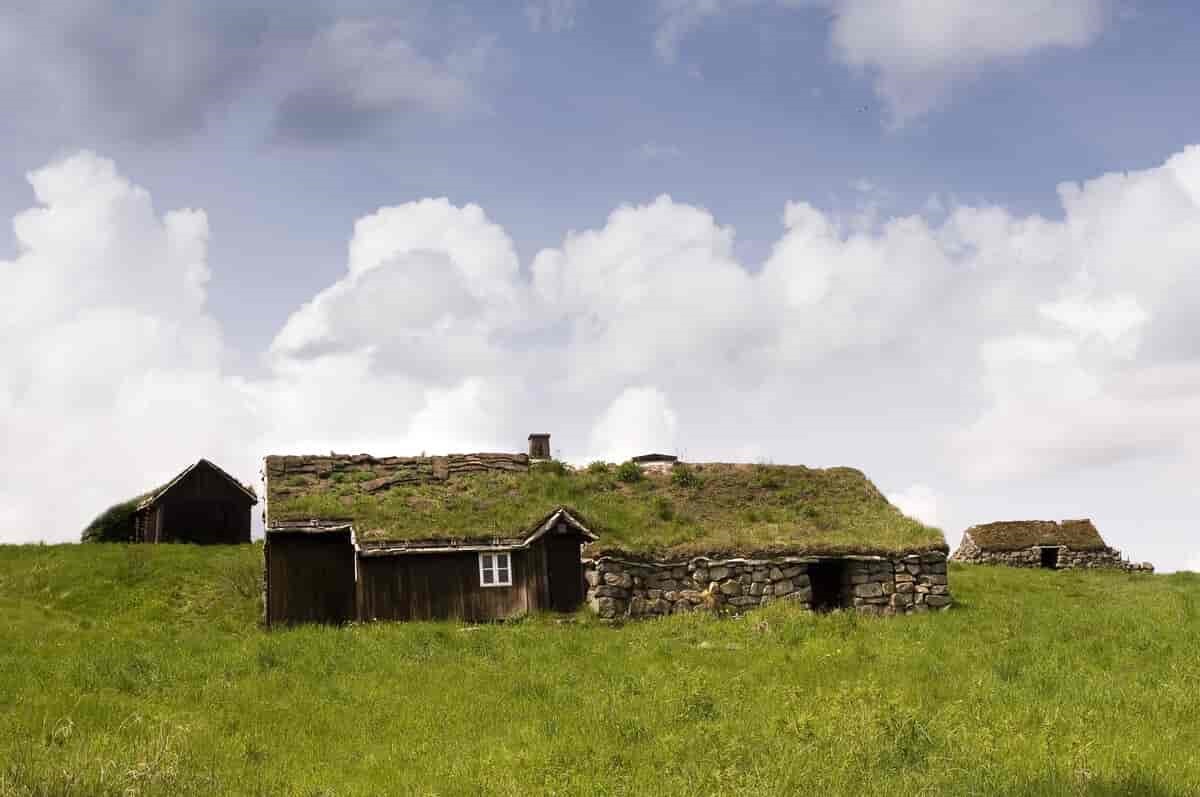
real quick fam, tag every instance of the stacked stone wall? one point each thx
(619, 588)
(1105, 558)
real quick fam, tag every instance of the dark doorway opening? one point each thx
(830, 586)
(564, 569)
(1050, 558)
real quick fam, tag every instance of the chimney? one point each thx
(539, 446)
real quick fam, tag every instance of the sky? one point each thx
(953, 244)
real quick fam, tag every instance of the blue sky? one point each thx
(286, 129)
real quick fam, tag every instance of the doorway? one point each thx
(564, 570)
(1050, 558)
(830, 586)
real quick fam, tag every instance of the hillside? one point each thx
(708, 508)
(139, 670)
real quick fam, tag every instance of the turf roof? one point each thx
(733, 509)
(1015, 535)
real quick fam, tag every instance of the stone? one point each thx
(654, 594)
(804, 595)
(718, 573)
(681, 606)
(913, 568)
(671, 595)
(678, 572)
(731, 588)
(608, 608)
(783, 587)
(860, 578)
(793, 571)
(757, 588)
(902, 600)
(611, 592)
(939, 589)
(613, 579)
(760, 575)
(937, 601)
(661, 606)
(743, 600)
(638, 607)
(905, 587)
(593, 577)
(700, 576)
(933, 579)
(691, 596)
(869, 590)
(905, 578)
(776, 574)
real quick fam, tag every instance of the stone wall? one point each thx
(620, 588)
(1104, 558)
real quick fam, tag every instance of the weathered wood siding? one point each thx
(203, 507)
(439, 586)
(310, 578)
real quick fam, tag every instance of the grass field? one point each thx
(138, 670)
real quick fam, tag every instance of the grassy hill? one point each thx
(138, 670)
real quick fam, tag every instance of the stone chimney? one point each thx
(539, 446)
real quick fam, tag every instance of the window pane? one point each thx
(502, 560)
(502, 577)
(487, 576)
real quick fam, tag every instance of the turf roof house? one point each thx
(488, 536)
(202, 504)
(1042, 543)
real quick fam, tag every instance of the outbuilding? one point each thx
(202, 504)
(1046, 544)
(489, 536)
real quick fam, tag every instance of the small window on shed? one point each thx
(495, 570)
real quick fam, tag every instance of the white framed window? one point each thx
(495, 570)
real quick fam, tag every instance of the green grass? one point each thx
(710, 509)
(127, 670)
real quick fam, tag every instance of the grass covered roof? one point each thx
(733, 509)
(1015, 535)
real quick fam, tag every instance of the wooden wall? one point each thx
(310, 578)
(203, 507)
(439, 586)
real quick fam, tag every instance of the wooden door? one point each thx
(565, 572)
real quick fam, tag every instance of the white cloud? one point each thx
(985, 349)
(639, 421)
(916, 51)
(112, 365)
(918, 501)
(358, 72)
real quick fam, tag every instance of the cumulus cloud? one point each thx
(639, 421)
(918, 501)
(112, 364)
(916, 51)
(985, 348)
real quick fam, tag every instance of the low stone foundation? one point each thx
(619, 588)
(1104, 558)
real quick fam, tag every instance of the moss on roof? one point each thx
(730, 509)
(1015, 535)
(115, 524)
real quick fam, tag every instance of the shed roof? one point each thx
(150, 498)
(1014, 535)
(728, 508)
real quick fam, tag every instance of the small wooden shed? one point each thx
(320, 568)
(202, 504)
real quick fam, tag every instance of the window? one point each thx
(495, 570)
